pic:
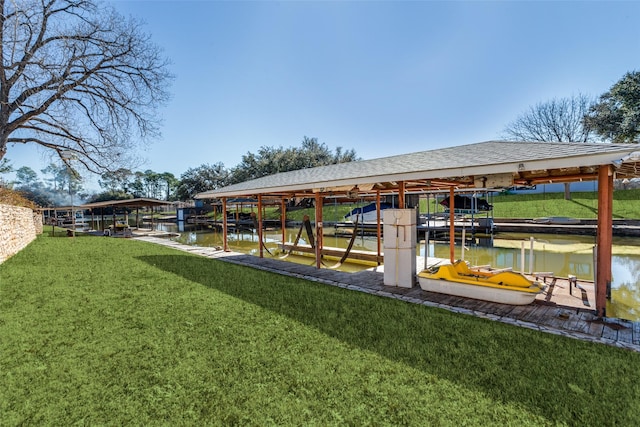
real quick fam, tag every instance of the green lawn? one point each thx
(584, 205)
(106, 331)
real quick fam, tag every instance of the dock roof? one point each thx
(491, 164)
(128, 203)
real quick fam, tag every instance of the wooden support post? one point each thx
(379, 229)
(283, 220)
(319, 230)
(452, 227)
(401, 195)
(604, 237)
(225, 244)
(259, 227)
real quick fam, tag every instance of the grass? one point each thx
(103, 331)
(584, 205)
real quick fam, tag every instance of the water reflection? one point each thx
(563, 255)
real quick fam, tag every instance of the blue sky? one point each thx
(379, 77)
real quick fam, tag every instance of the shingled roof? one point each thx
(462, 166)
(128, 203)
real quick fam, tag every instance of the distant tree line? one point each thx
(61, 184)
(58, 187)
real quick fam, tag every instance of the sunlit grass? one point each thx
(106, 331)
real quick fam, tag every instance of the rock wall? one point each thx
(18, 227)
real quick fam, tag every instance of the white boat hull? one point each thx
(484, 293)
(367, 217)
(367, 214)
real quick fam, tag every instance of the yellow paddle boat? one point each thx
(505, 287)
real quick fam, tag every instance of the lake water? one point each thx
(561, 254)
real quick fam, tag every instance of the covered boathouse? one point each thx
(486, 166)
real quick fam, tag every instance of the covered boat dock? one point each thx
(485, 166)
(124, 204)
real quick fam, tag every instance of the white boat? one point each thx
(505, 287)
(367, 213)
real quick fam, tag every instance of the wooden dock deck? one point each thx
(562, 309)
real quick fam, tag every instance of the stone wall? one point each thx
(18, 227)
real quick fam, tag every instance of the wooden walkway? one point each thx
(557, 311)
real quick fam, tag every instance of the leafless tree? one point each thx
(558, 120)
(79, 79)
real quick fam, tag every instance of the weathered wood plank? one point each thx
(558, 317)
(625, 333)
(536, 314)
(609, 332)
(334, 252)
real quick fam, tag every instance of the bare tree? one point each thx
(79, 79)
(558, 120)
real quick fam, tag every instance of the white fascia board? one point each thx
(578, 161)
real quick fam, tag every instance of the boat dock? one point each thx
(566, 308)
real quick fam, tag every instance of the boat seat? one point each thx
(463, 268)
(510, 278)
